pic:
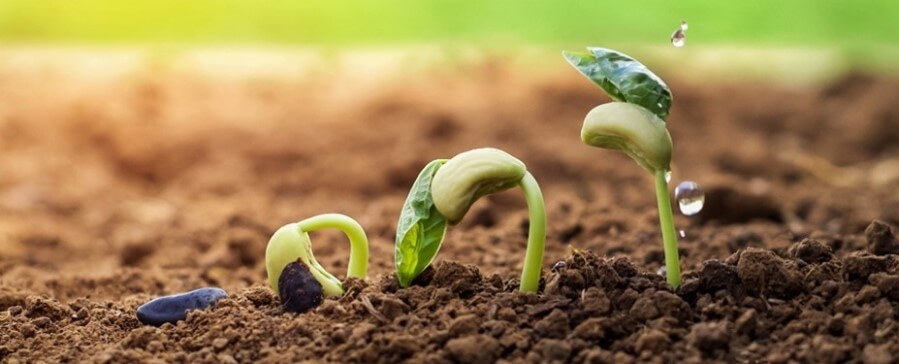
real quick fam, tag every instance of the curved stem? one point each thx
(669, 238)
(533, 259)
(358, 266)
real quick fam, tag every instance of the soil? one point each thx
(121, 184)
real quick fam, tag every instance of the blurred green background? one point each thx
(825, 23)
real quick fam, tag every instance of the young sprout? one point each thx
(634, 124)
(293, 272)
(444, 192)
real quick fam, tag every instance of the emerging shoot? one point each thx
(295, 275)
(443, 193)
(633, 124)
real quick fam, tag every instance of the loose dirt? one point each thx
(120, 185)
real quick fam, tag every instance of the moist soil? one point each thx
(118, 185)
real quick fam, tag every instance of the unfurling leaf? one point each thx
(421, 228)
(623, 78)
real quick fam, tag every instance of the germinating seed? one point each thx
(690, 197)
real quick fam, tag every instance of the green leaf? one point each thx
(623, 78)
(421, 228)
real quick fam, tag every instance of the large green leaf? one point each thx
(421, 228)
(623, 78)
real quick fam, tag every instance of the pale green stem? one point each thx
(358, 266)
(533, 259)
(669, 237)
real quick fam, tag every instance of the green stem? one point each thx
(669, 237)
(533, 259)
(358, 266)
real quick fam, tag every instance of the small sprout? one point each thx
(289, 261)
(634, 124)
(443, 194)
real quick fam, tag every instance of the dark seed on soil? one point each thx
(174, 308)
(298, 288)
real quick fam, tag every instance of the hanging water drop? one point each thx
(679, 38)
(690, 197)
(667, 176)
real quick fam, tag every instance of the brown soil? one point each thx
(159, 180)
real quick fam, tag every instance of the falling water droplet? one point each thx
(662, 271)
(679, 38)
(667, 176)
(682, 233)
(690, 197)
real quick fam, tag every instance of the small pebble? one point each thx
(219, 343)
(174, 308)
(559, 266)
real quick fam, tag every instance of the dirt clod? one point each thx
(710, 337)
(477, 349)
(811, 251)
(764, 273)
(881, 240)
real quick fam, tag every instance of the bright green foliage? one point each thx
(623, 78)
(421, 228)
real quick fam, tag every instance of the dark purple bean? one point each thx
(298, 288)
(174, 308)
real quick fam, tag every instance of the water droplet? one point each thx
(679, 38)
(662, 271)
(690, 197)
(682, 233)
(668, 176)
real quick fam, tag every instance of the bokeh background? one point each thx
(806, 22)
(796, 39)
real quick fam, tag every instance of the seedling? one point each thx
(443, 193)
(634, 123)
(293, 272)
